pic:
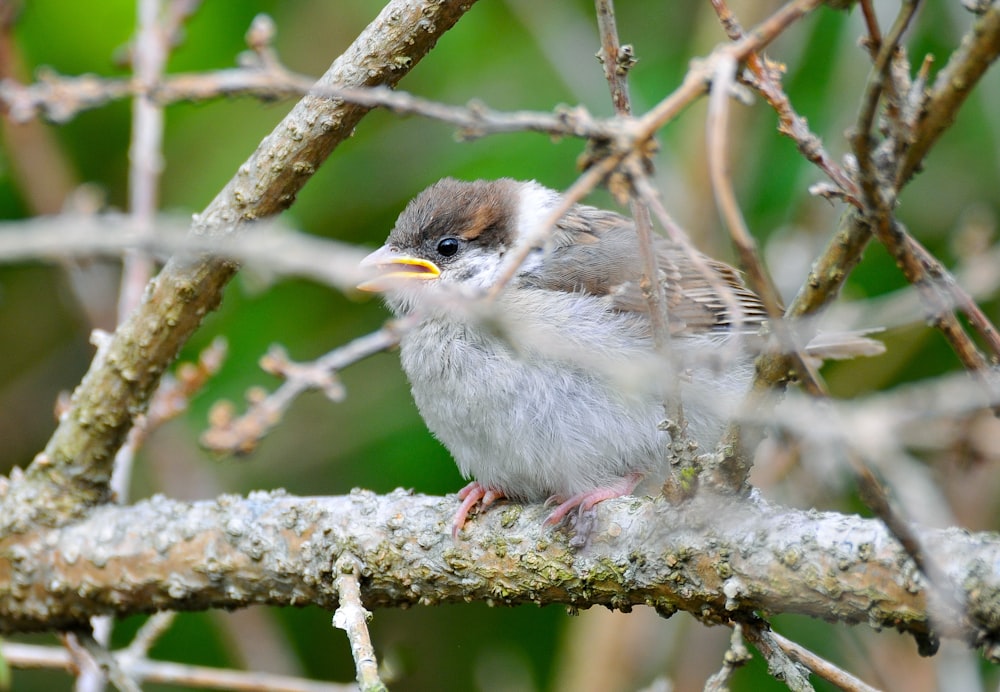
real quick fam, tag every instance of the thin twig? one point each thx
(716, 125)
(107, 663)
(231, 435)
(636, 134)
(779, 664)
(146, 670)
(933, 282)
(698, 77)
(149, 57)
(862, 139)
(765, 78)
(746, 246)
(876, 497)
(150, 632)
(736, 657)
(616, 58)
(871, 23)
(60, 98)
(957, 295)
(352, 617)
(980, 47)
(878, 197)
(617, 61)
(833, 674)
(175, 393)
(267, 247)
(590, 179)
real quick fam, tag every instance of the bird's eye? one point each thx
(448, 247)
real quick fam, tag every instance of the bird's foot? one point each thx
(588, 499)
(470, 495)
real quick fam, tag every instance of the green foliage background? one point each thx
(511, 55)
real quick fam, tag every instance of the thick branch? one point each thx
(74, 469)
(280, 550)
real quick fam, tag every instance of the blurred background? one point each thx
(510, 54)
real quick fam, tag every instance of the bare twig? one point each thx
(60, 99)
(821, 667)
(230, 435)
(174, 393)
(590, 179)
(955, 295)
(716, 125)
(878, 199)
(616, 58)
(980, 47)
(149, 56)
(939, 292)
(352, 617)
(965, 68)
(736, 462)
(101, 656)
(154, 628)
(765, 77)
(146, 670)
(779, 664)
(145, 150)
(736, 657)
(871, 23)
(697, 79)
(636, 135)
(267, 247)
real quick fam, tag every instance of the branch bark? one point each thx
(271, 548)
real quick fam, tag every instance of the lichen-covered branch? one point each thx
(271, 548)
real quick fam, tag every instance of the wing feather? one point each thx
(597, 252)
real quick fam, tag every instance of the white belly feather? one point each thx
(546, 417)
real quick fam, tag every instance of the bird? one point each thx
(553, 389)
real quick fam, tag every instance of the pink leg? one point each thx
(588, 499)
(470, 495)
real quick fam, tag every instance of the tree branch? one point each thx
(271, 548)
(74, 469)
(979, 49)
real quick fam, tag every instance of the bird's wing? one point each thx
(597, 252)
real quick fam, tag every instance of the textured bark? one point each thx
(717, 558)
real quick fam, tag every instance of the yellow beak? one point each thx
(390, 267)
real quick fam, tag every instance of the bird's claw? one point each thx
(586, 500)
(470, 495)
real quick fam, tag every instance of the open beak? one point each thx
(391, 267)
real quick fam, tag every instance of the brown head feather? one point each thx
(483, 210)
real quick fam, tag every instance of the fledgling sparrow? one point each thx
(556, 392)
